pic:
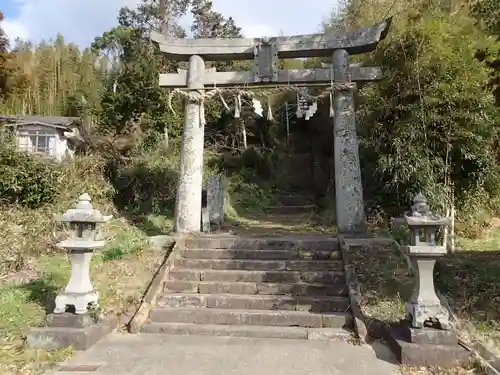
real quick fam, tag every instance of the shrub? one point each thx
(26, 180)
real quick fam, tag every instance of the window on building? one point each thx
(37, 141)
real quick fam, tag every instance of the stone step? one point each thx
(328, 334)
(310, 277)
(261, 254)
(260, 265)
(255, 302)
(295, 289)
(295, 200)
(291, 210)
(258, 243)
(251, 317)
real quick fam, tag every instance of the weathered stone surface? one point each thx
(336, 319)
(182, 300)
(348, 185)
(189, 191)
(205, 220)
(251, 276)
(258, 302)
(79, 293)
(188, 355)
(310, 277)
(215, 287)
(445, 356)
(248, 317)
(260, 265)
(185, 274)
(424, 305)
(179, 286)
(314, 75)
(259, 254)
(227, 330)
(270, 243)
(69, 320)
(215, 198)
(308, 265)
(255, 302)
(322, 277)
(322, 304)
(422, 354)
(302, 289)
(430, 336)
(328, 334)
(229, 288)
(288, 47)
(210, 289)
(51, 338)
(230, 264)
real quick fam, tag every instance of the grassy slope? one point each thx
(33, 270)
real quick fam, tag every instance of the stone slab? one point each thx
(298, 289)
(258, 243)
(411, 354)
(157, 354)
(429, 336)
(241, 254)
(69, 320)
(51, 338)
(251, 317)
(254, 302)
(227, 330)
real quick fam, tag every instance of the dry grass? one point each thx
(472, 368)
(33, 269)
(24, 305)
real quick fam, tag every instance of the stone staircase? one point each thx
(293, 204)
(255, 287)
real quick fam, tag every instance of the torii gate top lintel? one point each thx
(285, 47)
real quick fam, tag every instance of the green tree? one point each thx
(432, 123)
(4, 45)
(132, 89)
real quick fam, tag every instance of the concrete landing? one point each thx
(125, 354)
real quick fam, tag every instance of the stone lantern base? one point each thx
(67, 329)
(425, 346)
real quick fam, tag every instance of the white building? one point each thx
(45, 135)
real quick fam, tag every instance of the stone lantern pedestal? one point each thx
(426, 336)
(75, 320)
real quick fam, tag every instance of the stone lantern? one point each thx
(72, 323)
(425, 337)
(79, 295)
(424, 307)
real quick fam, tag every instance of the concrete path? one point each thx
(125, 354)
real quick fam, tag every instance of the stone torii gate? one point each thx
(266, 52)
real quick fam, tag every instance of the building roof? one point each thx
(52, 121)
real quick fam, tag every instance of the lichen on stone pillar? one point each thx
(189, 191)
(348, 184)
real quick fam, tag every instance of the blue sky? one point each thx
(81, 20)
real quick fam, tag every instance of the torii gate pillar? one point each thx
(189, 191)
(349, 203)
